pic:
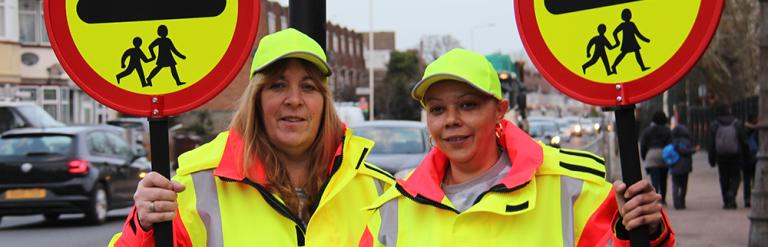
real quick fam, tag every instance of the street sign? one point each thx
(152, 58)
(615, 52)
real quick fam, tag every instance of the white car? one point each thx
(400, 145)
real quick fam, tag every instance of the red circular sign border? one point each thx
(632, 92)
(136, 104)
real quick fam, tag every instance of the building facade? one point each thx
(31, 72)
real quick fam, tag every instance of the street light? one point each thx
(370, 60)
(472, 33)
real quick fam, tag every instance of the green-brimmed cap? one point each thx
(289, 43)
(460, 65)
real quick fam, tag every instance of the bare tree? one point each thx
(730, 64)
(434, 45)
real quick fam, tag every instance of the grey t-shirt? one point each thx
(463, 195)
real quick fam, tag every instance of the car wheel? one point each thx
(51, 216)
(96, 213)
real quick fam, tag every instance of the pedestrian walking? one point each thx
(749, 166)
(728, 149)
(652, 142)
(683, 167)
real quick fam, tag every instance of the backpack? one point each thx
(726, 140)
(670, 154)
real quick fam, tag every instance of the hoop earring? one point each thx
(499, 130)
(429, 138)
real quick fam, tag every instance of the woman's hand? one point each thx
(155, 199)
(643, 207)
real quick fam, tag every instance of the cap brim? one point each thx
(421, 87)
(309, 57)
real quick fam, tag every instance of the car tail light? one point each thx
(78, 167)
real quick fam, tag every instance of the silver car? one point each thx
(400, 145)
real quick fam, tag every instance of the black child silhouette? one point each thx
(629, 35)
(600, 42)
(164, 57)
(135, 56)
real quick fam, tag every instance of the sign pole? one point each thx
(626, 128)
(158, 138)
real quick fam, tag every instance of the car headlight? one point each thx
(142, 174)
(597, 126)
(577, 128)
(555, 140)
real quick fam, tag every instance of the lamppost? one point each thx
(472, 33)
(371, 102)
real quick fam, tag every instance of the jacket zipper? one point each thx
(279, 207)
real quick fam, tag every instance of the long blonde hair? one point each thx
(248, 122)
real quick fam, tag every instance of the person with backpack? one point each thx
(652, 142)
(680, 169)
(728, 150)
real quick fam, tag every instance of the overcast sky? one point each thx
(410, 20)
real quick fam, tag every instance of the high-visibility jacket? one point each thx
(551, 197)
(221, 207)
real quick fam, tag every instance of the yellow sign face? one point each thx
(153, 57)
(615, 43)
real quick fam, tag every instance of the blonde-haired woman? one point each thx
(288, 173)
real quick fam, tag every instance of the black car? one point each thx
(78, 169)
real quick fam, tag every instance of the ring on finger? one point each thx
(152, 206)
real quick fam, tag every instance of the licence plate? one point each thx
(15, 194)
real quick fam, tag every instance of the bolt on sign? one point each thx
(152, 58)
(615, 52)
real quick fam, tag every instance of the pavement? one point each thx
(704, 222)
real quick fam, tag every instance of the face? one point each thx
(292, 107)
(462, 120)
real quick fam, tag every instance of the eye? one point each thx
(308, 86)
(468, 105)
(277, 85)
(436, 109)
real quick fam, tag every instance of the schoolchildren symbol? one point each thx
(143, 55)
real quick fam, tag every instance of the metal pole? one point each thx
(158, 139)
(370, 60)
(626, 128)
(758, 217)
(309, 18)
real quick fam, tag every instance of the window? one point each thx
(97, 144)
(335, 43)
(118, 145)
(32, 22)
(271, 22)
(2, 18)
(27, 94)
(50, 94)
(283, 22)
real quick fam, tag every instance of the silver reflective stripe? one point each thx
(379, 186)
(208, 206)
(570, 189)
(388, 230)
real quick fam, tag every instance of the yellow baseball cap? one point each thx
(289, 43)
(460, 65)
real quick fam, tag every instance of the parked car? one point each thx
(79, 169)
(24, 114)
(400, 145)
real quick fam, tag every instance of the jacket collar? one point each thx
(526, 156)
(229, 166)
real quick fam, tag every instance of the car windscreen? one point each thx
(30, 145)
(37, 117)
(541, 128)
(392, 140)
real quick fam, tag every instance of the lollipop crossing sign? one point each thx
(152, 58)
(615, 52)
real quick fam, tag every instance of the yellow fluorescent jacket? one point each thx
(220, 207)
(551, 197)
